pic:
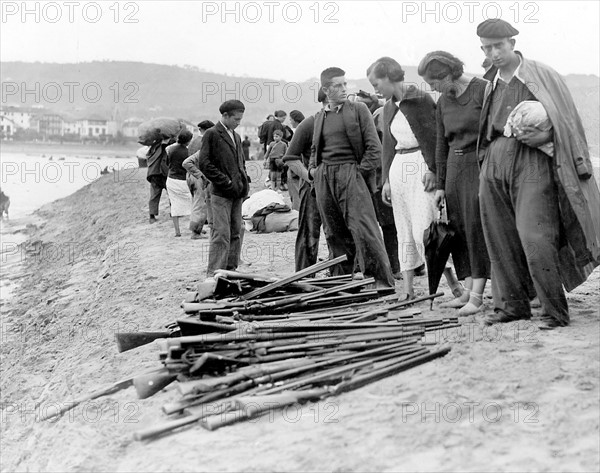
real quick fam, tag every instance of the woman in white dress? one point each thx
(408, 164)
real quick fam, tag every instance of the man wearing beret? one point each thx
(540, 213)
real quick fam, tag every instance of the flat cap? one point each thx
(496, 28)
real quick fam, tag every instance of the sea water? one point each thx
(32, 181)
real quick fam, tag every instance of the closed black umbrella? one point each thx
(438, 239)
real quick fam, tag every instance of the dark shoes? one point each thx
(499, 317)
(152, 219)
(420, 271)
(550, 323)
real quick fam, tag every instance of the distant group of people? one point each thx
(526, 220)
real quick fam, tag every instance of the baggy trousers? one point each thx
(521, 224)
(348, 215)
(385, 217)
(157, 184)
(309, 228)
(199, 204)
(225, 240)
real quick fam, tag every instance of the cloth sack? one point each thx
(159, 129)
(529, 113)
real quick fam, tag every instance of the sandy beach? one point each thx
(506, 398)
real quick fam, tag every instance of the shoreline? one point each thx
(53, 148)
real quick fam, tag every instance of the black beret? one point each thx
(205, 124)
(496, 28)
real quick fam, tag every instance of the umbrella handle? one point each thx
(442, 213)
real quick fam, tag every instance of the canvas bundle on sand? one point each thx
(266, 212)
(159, 128)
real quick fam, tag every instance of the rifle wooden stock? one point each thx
(266, 403)
(176, 424)
(54, 411)
(147, 385)
(130, 340)
(193, 326)
(209, 384)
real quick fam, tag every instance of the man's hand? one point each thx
(438, 198)
(386, 194)
(429, 181)
(533, 137)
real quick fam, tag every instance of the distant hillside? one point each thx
(150, 90)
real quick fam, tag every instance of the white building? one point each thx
(13, 117)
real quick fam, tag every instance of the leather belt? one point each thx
(407, 150)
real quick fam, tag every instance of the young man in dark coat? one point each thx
(222, 162)
(344, 157)
(540, 213)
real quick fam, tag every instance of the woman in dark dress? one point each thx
(457, 117)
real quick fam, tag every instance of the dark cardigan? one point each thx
(419, 109)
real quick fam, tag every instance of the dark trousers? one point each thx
(520, 217)
(309, 228)
(157, 184)
(385, 217)
(345, 205)
(294, 184)
(225, 240)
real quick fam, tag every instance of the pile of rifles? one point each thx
(250, 344)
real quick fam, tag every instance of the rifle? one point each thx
(295, 277)
(141, 382)
(402, 304)
(264, 403)
(130, 340)
(208, 384)
(260, 405)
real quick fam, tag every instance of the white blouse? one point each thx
(402, 132)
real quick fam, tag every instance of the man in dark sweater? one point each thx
(309, 220)
(344, 157)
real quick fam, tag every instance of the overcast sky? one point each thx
(293, 40)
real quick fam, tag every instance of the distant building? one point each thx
(48, 124)
(93, 127)
(13, 117)
(130, 127)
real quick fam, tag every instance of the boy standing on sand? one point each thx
(275, 153)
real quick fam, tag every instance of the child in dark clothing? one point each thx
(275, 153)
